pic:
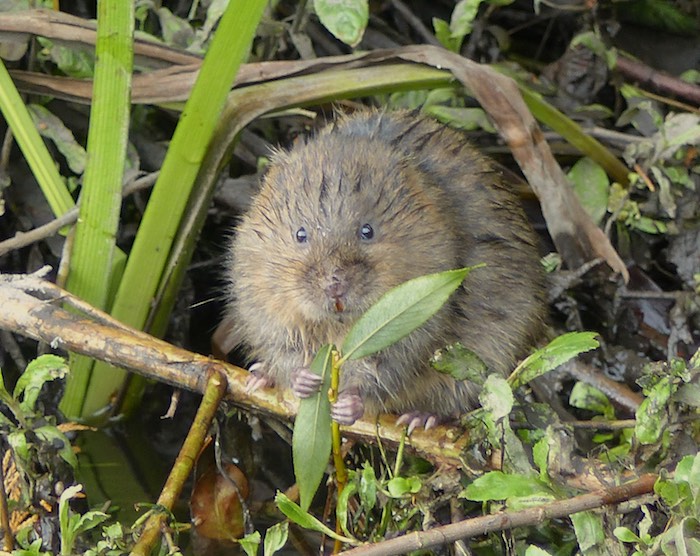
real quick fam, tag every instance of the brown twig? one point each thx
(415, 22)
(213, 394)
(35, 308)
(614, 390)
(503, 521)
(647, 76)
(22, 239)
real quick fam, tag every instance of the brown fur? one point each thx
(434, 204)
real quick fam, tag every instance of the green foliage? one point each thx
(659, 14)
(460, 363)
(36, 443)
(557, 352)
(661, 177)
(659, 384)
(399, 312)
(496, 485)
(311, 442)
(585, 396)
(590, 533)
(250, 543)
(346, 20)
(73, 524)
(591, 185)
(29, 424)
(452, 34)
(275, 538)
(306, 520)
(38, 372)
(53, 128)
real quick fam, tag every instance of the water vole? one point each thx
(371, 201)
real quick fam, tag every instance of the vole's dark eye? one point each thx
(301, 235)
(366, 232)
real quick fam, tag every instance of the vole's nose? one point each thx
(336, 287)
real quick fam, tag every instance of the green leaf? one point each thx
(346, 20)
(250, 543)
(496, 397)
(311, 442)
(341, 510)
(43, 369)
(90, 520)
(67, 519)
(74, 62)
(400, 311)
(558, 351)
(52, 435)
(589, 530)
(540, 455)
(444, 35)
(18, 442)
(33, 148)
(496, 485)
(652, 413)
(591, 185)
(460, 363)
(625, 535)
(462, 19)
(688, 470)
(585, 396)
(53, 128)
(533, 550)
(306, 520)
(368, 487)
(276, 538)
(401, 486)
(467, 119)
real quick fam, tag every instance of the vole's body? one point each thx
(368, 203)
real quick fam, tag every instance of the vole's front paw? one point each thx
(258, 378)
(305, 383)
(415, 419)
(348, 408)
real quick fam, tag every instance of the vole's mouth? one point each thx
(339, 305)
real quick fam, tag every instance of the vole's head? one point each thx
(337, 223)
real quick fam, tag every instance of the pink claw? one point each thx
(258, 378)
(416, 419)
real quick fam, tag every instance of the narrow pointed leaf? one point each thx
(306, 520)
(311, 442)
(400, 311)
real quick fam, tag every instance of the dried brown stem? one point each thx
(5, 531)
(35, 308)
(213, 394)
(22, 239)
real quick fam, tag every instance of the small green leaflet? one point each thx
(345, 19)
(496, 485)
(400, 311)
(311, 441)
(558, 351)
(306, 520)
(43, 369)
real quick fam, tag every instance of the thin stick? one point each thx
(22, 239)
(213, 394)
